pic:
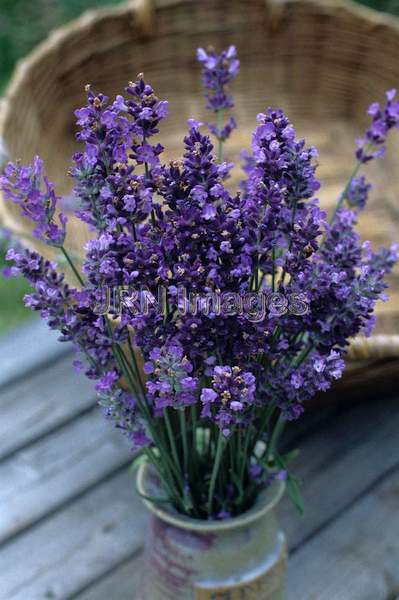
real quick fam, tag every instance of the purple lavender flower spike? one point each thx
(112, 193)
(357, 193)
(384, 118)
(35, 195)
(121, 408)
(223, 133)
(277, 196)
(230, 398)
(218, 70)
(170, 382)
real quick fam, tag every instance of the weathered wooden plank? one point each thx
(66, 553)
(342, 460)
(122, 583)
(28, 348)
(338, 462)
(44, 476)
(38, 404)
(355, 558)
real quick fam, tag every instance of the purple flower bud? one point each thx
(208, 395)
(358, 192)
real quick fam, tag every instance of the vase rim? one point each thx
(266, 502)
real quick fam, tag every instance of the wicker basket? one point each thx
(323, 62)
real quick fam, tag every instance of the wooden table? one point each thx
(71, 525)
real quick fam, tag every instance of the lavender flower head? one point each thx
(383, 118)
(111, 192)
(34, 193)
(170, 383)
(217, 73)
(358, 192)
(232, 393)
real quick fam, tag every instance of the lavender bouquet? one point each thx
(207, 318)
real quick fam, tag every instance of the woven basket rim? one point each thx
(144, 11)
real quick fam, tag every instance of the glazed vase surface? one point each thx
(240, 558)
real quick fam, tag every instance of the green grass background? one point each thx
(23, 24)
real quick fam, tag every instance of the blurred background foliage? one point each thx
(12, 309)
(391, 6)
(23, 24)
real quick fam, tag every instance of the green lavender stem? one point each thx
(171, 437)
(219, 125)
(136, 367)
(183, 429)
(244, 456)
(215, 471)
(70, 263)
(275, 438)
(348, 184)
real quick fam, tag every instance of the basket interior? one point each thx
(323, 64)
